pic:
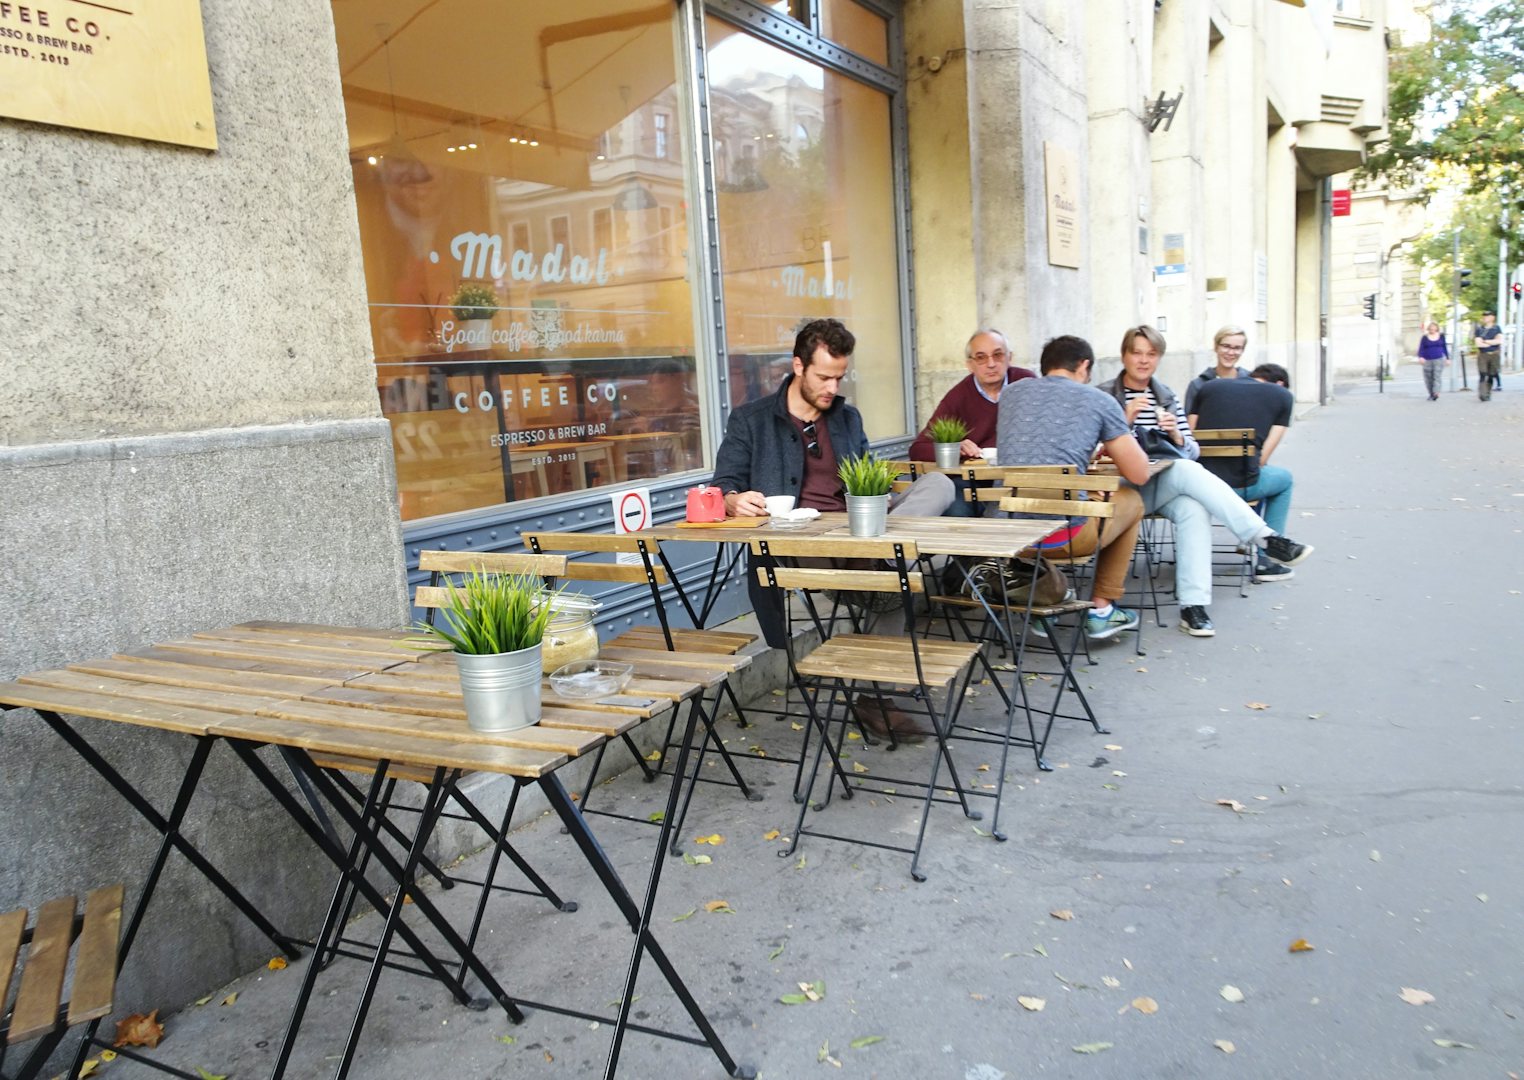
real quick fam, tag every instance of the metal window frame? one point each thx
(497, 528)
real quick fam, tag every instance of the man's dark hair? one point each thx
(1273, 373)
(1066, 352)
(837, 339)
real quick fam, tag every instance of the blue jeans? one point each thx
(1191, 497)
(1274, 486)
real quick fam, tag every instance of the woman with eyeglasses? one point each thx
(1228, 344)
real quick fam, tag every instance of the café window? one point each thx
(805, 191)
(526, 277)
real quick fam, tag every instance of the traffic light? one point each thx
(1518, 290)
(1465, 279)
(1370, 306)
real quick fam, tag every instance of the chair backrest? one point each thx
(643, 572)
(440, 563)
(900, 579)
(1236, 447)
(1052, 493)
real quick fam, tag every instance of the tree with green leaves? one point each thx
(1455, 108)
(1476, 218)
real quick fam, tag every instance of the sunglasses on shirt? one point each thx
(811, 443)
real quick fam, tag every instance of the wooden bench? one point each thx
(40, 1011)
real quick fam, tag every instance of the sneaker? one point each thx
(1266, 570)
(1286, 551)
(1099, 629)
(1195, 621)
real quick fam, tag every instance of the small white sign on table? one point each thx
(632, 512)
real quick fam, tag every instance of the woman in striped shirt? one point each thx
(1148, 403)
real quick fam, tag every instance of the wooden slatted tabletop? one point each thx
(349, 693)
(985, 538)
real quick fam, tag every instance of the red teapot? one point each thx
(706, 503)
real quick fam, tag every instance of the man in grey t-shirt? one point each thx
(1058, 420)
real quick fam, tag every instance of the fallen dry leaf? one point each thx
(1256, 705)
(975, 997)
(1145, 1005)
(231, 999)
(654, 755)
(1224, 1045)
(1451, 1044)
(1415, 997)
(277, 963)
(1111, 981)
(1111, 746)
(982, 768)
(1092, 1048)
(90, 1067)
(1301, 944)
(1232, 804)
(719, 905)
(1032, 1004)
(139, 1030)
(859, 767)
(771, 834)
(1126, 963)
(1231, 993)
(715, 840)
(1062, 914)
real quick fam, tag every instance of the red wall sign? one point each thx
(1341, 202)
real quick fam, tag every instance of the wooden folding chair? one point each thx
(1237, 447)
(712, 657)
(39, 1012)
(1057, 495)
(871, 664)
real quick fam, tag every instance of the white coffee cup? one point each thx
(778, 505)
(989, 453)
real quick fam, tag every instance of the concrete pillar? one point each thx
(190, 436)
(1119, 59)
(1182, 32)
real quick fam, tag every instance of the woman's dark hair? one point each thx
(837, 339)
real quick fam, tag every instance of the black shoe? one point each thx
(1285, 550)
(1265, 570)
(1195, 621)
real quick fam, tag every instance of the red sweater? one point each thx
(966, 403)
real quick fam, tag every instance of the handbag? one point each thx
(1156, 444)
(1010, 581)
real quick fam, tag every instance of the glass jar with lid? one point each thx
(570, 635)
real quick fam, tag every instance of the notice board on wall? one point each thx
(127, 67)
(1063, 198)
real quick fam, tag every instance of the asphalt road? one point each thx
(1365, 716)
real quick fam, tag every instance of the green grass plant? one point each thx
(867, 475)
(948, 429)
(493, 613)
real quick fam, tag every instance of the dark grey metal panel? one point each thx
(784, 32)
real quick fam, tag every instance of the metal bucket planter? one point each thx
(867, 515)
(949, 454)
(501, 690)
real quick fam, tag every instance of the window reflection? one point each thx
(521, 207)
(804, 171)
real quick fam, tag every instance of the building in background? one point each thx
(458, 269)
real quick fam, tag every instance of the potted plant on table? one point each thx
(947, 435)
(496, 623)
(474, 305)
(868, 480)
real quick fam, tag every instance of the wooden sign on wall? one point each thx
(1063, 198)
(130, 67)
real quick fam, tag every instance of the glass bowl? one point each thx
(589, 679)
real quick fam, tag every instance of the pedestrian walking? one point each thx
(1435, 354)
(1489, 352)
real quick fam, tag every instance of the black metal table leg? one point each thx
(639, 918)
